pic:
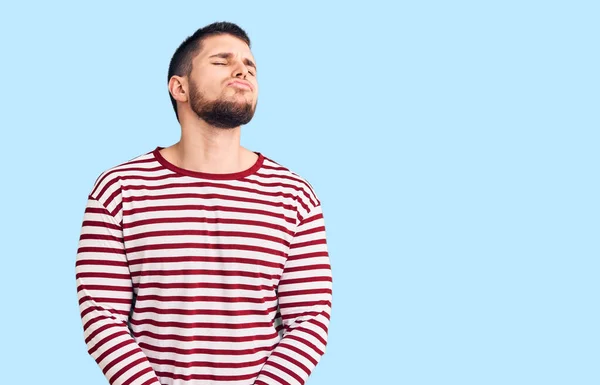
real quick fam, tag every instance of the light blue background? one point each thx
(454, 147)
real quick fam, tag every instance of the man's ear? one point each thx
(178, 87)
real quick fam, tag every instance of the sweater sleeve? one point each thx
(105, 293)
(304, 294)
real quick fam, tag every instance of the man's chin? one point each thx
(240, 106)
(239, 99)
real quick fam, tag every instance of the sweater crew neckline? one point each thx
(206, 175)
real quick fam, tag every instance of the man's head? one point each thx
(202, 70)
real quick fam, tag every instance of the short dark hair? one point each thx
(181, 62)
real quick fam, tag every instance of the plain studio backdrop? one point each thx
(454, 147)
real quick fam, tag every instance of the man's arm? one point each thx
(105, 293)
(304, 294)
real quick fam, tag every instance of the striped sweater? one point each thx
(192, 278)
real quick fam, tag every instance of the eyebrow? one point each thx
(228, 55)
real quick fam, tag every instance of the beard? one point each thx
(220, 113)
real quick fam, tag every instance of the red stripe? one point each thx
(313, 321)
(115, 348)
(91, 249)
(265, 372)
(114, 312)
(308, 220)
(206, 364)
(316, 254)
(291, 316)
(140, 374)
(104, 300)
(203, 298)
(118, 208)
(100, 262)
(303, 304)
(99, 344)
(94, 210)
(235, 313)
(235, 221)
(215, 352)
(108, 201)
(312, 242)
(206, 325)
(293, 178)
(311, 231)
(150, 381)
(191, 245)
(322, 266)
(215, 259)
(204, 285)
(119, 358)
(97, 274)
(305, 279)
(126, 289)
(215, 233)
(192, 272)
(304, 342)
(296, 350)
(285, 370)
(99, 224)
(132, 364)
(215, 208)
(208, 233)
(200, 337)
(109, 173)
(304, 292)
(100, 237)
(303, 328)
(234, 198)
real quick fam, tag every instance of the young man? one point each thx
(204, 262)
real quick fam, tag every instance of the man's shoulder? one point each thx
(108, 183)
(292, 180)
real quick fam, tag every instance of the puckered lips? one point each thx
(240, 84)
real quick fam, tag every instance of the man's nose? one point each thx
(240, 69)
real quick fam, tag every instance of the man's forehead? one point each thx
(229, 44)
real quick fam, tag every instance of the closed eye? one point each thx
(223, 64)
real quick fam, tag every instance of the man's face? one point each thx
(213, 94)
